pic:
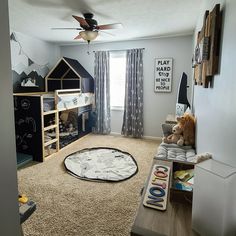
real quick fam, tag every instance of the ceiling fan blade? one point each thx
(67, 28)
(81, 20)
(77, 37)
(109, 26)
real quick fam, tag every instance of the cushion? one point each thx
(167, 129)
(176, 152)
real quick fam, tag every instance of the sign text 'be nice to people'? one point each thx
(163, 74)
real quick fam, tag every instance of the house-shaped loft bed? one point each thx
(48, 121)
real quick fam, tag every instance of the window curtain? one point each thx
(102, 93)
(133, 106)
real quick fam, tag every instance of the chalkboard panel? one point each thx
(54, 85)
(28, 126)
(71, 84)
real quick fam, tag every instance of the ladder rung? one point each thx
(50, 142)
(50, 127)
(49, 112)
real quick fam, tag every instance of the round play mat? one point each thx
(104, 164)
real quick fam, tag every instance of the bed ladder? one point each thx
(46, 150)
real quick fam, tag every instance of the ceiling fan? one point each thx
(89, 27)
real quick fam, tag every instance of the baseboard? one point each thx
(115, 134)
(144, 137)
(153, 138)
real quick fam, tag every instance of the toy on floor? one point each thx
(203, 157)
(176, 137)
(22, 198)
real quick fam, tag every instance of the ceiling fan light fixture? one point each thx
(88, 35)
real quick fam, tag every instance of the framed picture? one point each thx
(163, 75)
(207, 50)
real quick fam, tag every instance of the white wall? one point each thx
(156, 105)
(9, 211)
(215, 107)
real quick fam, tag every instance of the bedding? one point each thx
(74, 100)
(48, 104)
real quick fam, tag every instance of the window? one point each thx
(117, 79)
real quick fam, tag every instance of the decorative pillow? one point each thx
(167, 129)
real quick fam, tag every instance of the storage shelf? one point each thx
(50, 142)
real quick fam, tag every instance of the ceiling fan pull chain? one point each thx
(88, 52)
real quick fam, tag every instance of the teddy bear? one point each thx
(187, 123)
(176, 137)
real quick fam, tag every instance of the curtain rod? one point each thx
(117, 50)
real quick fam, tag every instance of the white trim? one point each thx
(153, 138)
(117, 108)
(144, 137)
(118, 53)
(115, 134)
(79, 43)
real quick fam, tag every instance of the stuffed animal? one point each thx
(187, 123)
(202, 157)
(176, 137)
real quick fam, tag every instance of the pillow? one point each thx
(167, 129)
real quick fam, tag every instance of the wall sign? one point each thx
(163, 74)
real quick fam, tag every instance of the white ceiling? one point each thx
(140, 18)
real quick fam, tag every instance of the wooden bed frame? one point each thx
(69, 87)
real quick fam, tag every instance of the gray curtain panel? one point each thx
(102, 93)
(133, 107)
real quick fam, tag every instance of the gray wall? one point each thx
(39, 51)
(215, 107)
(42, 56)
(156, 105)
(9, 212)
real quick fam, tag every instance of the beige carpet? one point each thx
(70, 206)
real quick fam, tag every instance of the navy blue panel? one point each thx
(59, 71)
(87, 85)
(28, 126)
(68, 84)
(78, 68)
(182, 91)
(54, 85)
